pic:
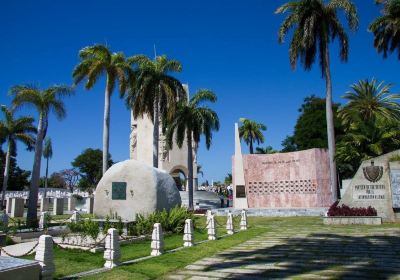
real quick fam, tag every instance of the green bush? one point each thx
(171, 221)
(394, 158)
(85, 228)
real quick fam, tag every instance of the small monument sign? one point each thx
(118, 191)
(376, 184)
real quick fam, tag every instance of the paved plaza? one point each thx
(311, 252)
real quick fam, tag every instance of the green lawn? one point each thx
(73, 261)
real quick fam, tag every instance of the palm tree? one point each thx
(45, 101)
(251, 132)
(368, 101)
(266, 150)
(386, 28)
(191, 121)
(97, 61)
(47, 154)
(13, 129)
(155, 93)
(200, 170)
(316, 24)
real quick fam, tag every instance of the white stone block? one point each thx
(44, 204)
(8, 205)
(75, 217)
(58, 206)
(112, 253)
(157, 240)
(89, 205)
(229, 224)
(71, 201)
(212, 228)
(188, 233)
(44, 255)
(243, 220)
(17, 207)
(44, 216)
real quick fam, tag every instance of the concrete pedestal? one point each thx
(44, 204)
(8, 205)
(17, 207)
(58, 206)
(89, 205)
(71, 201)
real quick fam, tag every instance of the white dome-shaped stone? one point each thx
(131, 187)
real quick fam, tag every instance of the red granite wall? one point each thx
(288, 180)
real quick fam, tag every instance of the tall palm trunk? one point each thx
(190, 167)
(6, 170)
(330, 124)
(156, 132)
(106, 126)
(31, 218)
(47, 178)
(251, 147)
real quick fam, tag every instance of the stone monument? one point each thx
(377, 184)
(131, 187)
(282, 180)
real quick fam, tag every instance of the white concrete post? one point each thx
(112, 252)
(208, 215)
(17, 207)
(188, 234)
(157, 240)
(8, 205)
(229, 224)
(44, 204)
(43, 220)
(89, 205)
(71, 203)
(243, 220)
(44, 254)
(212, 228)
(58, 206)
(75, 217)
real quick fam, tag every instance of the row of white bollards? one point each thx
(112, 253)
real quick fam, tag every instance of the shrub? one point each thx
(345, 210)
(394, 158)
(85, 228)
(171, 221)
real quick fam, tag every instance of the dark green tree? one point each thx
(45, 102)
(156, 92)
(251, 132)
(89, 165)
(191, 121)
(266, 150)
(98, 61)
(310, 129)
(18, 179)
(386, 28)
(316, 24)
(13, 130)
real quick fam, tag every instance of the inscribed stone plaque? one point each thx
(118, 191)
(240, 191)
(395, 185)
(369, 192)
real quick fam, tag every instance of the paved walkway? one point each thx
(311, 253)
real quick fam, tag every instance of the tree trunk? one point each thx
(330, 125)
(106, 126)
(6, 170)
(31, 218)
(156, 132)
(190, 169)
(47, 177)
(251, 147)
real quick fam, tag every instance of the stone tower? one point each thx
(172, 161)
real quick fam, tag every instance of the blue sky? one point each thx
(228, 46)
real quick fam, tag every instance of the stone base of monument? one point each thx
(19, 269)
(274, 212)
(352, 220)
